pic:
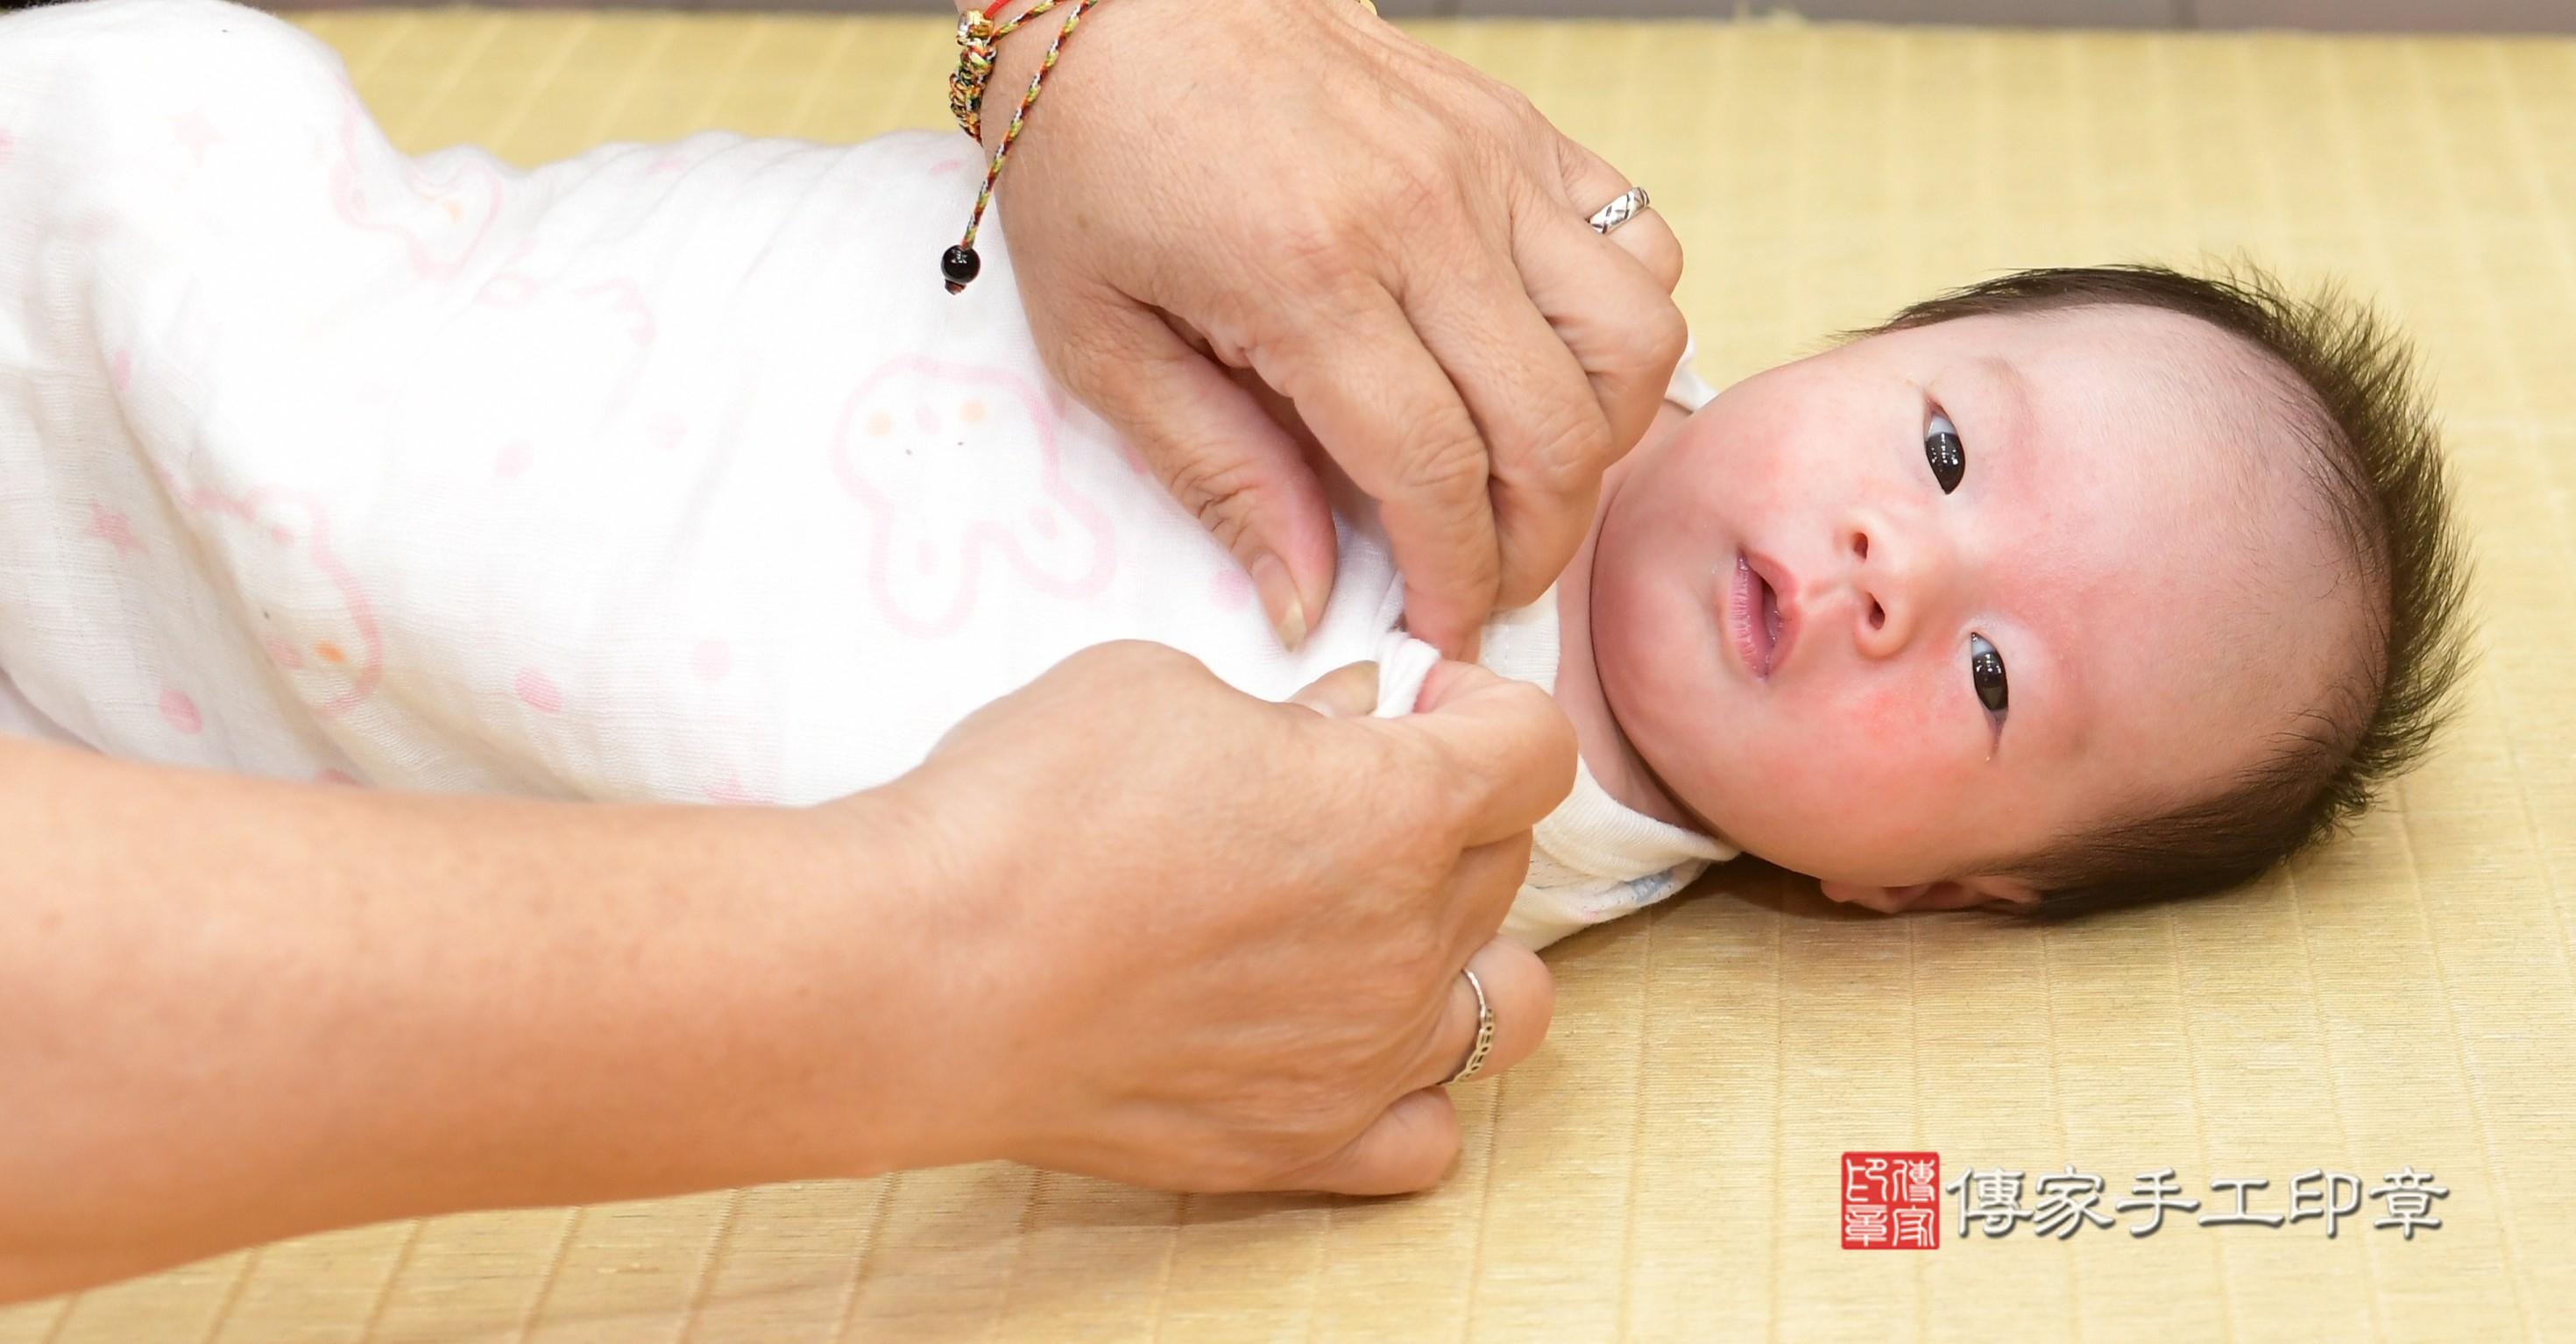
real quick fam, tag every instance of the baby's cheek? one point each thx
(1884, 714)
(1887, 732)
(1800, 779)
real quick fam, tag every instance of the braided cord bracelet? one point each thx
(977, 36)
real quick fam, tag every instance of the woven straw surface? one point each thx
(1668, 1167)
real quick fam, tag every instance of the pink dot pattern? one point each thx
(1231, 590)
(539, 691)
(180, 712)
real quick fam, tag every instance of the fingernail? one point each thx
(1279, 598)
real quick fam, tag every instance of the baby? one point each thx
(674, 472)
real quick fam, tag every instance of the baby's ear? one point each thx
(1945, 895)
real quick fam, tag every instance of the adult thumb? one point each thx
(1348, 692)
(1510, 749)
(1214, 448)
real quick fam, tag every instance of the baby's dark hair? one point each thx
(2375, 460)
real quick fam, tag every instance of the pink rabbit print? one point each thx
(960, 473)
(113, 526)
(440, 218)
(620, 298)
(312, 618)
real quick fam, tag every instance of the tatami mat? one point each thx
(1667, 1167)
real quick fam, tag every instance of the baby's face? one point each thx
(1851, 671)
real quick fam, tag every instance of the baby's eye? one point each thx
(1986, 669)
(1948, 456)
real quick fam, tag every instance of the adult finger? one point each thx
(1384, 409)
(1546, 438)
(1409, 1147)
(1520, 992)
(1616, 317)
(1591, 183)
(1480, 891)
(1215, 450)
(1348, 692)
(1505, 743)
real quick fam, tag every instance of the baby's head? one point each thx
(2069, 589)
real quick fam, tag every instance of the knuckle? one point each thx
(1664, 261)
(1401, 890)
(1222, 489)
(1494, 110)
(1316, 1107)
(1422, 954)
(1099, 359)
(1392, 878)
(1569, 450)
(1300, 1115)
(1436, 462)
(1312, 250)
(1410, 800)
(1663, 334)
(1489, 885)
(1396, 888)
(1410, 193)
(1513, 107)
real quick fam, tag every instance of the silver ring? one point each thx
(1620, 211)
(1484, 1033)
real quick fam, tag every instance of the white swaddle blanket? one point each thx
(667, 472)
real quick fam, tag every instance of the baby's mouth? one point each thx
(1755, 615)
(1756, 619)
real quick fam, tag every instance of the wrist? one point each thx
(714, 1000)
(1016, 56)
(768, 1010)
(1015, 59)
(936, 867)
(894, 944)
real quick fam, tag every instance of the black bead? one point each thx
(961, 266)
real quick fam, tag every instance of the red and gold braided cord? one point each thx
(977, 36)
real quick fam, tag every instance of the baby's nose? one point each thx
(1897, 572)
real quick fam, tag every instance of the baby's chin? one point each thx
(1735, 809)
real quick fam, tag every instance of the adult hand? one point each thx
(1389, 238)
(1127, 921)
(1201, 941)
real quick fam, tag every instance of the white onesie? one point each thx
(667, 472)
